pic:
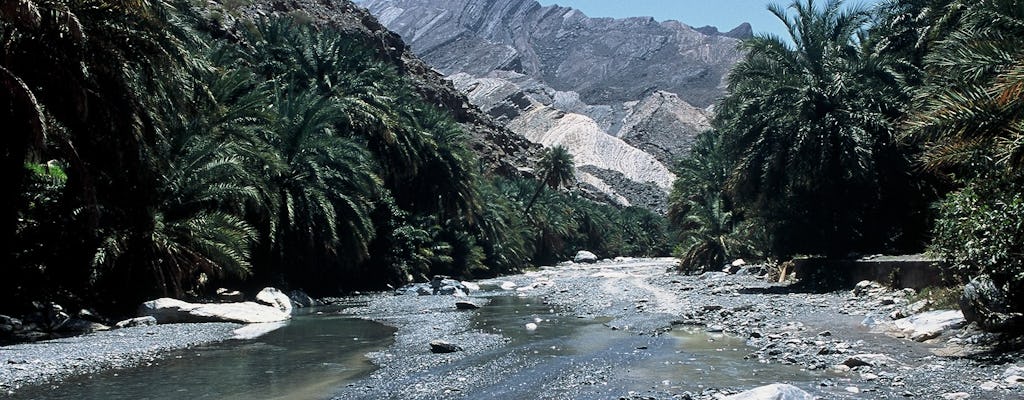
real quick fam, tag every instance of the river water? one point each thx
(320, 353)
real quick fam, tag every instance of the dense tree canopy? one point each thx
(148, 156)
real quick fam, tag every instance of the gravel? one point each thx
(53, 360)
(822, 334)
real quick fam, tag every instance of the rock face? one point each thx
(626, 97)
(169, 311)
(604, 60)
(777, 391)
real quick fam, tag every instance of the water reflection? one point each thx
(307, 359)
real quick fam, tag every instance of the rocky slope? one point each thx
(605, 88)
(502, 151)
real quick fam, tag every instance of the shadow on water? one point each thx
(306, 359)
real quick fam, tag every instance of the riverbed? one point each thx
(617, 329)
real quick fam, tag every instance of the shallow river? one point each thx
(319, 354)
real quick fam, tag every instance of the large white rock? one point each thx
(169, 311)
(778, 391)
(586, 257)
(930, 325)
(275, 298)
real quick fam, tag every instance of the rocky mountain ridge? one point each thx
(625, 96)
(501, 150)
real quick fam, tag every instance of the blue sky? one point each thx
(725, 14)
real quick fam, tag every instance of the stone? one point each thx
(275, 298)
(443, 347)
(956, 396)
(300, 299)
(867, 288)
(471, 287)
(465, 305)
(169, 311)
(90, 315)
(584, 257)
(229, 296)
(138, 321)
(988, 386)
(985, 303)
(77, 326)
(930, 325)
(868, 360)
(445, 286)
(1013, 370)
(424, 291)
(49, 316)
(778, 391)
(10, 324)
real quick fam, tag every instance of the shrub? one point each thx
(980, 230)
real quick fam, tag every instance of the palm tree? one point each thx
(195, 227)
(557, 170)
(804, 122)
(323, 189)
(970, 110)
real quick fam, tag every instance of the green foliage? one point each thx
(970, 108)
(980, 230)
(295, 156)
(709, 231)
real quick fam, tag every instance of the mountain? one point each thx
(501, 150)
(625, 96)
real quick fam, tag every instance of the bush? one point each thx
(980, 230)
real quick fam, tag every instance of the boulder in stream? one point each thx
(275, 298)
(466, 305)
(778, 391)
(169, 311)
(443, 347)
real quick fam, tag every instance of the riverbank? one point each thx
(604, 331)
(52, 361)
(819, 334)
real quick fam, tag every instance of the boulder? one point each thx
(868, 288)
(77, 326)
(445, 286)
(868, 360)
(778, 391)
(465, 305)
(9, 324)
(988, 305)
(140, 321)
(443, 347)
(585, 257)
(930, 325)
(169, 311)
(229, 296)
(300, 299)
(49, 316)
(275, 298)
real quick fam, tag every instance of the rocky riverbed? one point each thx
(606, 330)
